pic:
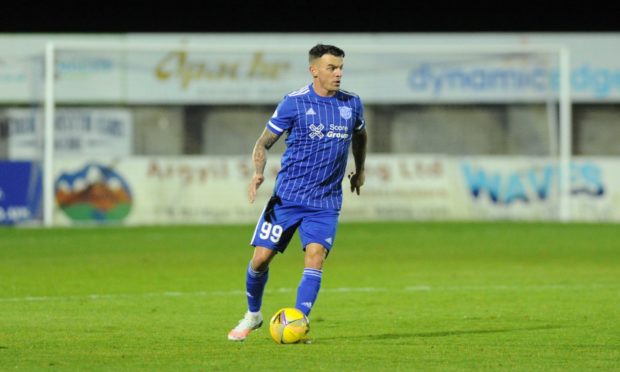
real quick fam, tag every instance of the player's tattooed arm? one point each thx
(263, 144)
(259, 157)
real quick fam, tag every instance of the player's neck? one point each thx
(322, 92)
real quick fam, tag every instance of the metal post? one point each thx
(48, 140)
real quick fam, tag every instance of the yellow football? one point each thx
(289, 326)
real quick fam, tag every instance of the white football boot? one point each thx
(250, 322)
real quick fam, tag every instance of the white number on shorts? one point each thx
(267, 230)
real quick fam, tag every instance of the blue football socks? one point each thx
(308, 289)
(255, 282)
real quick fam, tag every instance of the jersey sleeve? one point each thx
(360, 122)
(283, 116)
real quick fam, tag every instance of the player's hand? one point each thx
(357, 181)
(257, 180)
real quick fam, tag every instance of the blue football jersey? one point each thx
(318, 136)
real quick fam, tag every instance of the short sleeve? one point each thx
(360, 122)
(282, 118)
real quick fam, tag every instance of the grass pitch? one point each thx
(394, 297)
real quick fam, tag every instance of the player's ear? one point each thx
(314, 71)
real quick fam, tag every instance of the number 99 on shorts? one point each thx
(271, 232)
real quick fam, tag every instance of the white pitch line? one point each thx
(416, 288)
(533, 287)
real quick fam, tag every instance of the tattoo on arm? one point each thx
(268, 138)
(263, 144)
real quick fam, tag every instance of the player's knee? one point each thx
(259, 265)
(261, 258)
(315, 256)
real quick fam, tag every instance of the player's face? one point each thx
(327, 73)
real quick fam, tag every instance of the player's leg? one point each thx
(317, 232)
(256, 277)
(310, 283)
(273, 232)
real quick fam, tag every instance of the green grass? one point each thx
(394, 297)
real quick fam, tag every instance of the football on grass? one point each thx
(289, 326)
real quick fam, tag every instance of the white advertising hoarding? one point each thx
(190, 76)
(91, 76)
(78, 132)
(262, 75)
(261, 71)
(22, 61)
(397, 76)
(204, 190)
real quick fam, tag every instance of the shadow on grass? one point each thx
(395, 336)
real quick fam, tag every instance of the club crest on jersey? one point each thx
(345, 112)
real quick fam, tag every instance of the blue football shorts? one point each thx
(280, 219)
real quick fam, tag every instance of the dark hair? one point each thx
(319, 50)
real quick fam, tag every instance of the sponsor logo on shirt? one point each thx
(316, 131)
(338, 131)
(335, 131)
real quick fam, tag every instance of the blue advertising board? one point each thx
(20, 192)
